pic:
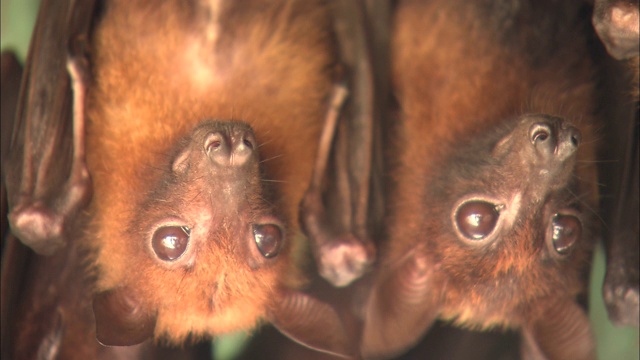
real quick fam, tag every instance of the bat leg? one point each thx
(341, 256)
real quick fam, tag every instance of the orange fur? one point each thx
(457, 72)
(162, 67)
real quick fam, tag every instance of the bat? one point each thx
(46, 300)
(617, 25)
(492, 190)
(182, 151)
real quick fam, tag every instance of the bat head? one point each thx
(517, 230)
(208, 245)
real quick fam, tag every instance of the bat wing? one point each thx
(561, 332)
(402, 306)
(10, 81)
(344, 198)
(14, 256)
(46, 177)
(312, 323)
(616, 23)
(621, 287)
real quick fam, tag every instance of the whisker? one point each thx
(197, 195)
(588, 208)
(271, 158)
(267, 201)
(265, 143)
(583, 180)
(598, 161)
(275, 181)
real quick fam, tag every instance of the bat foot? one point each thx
(345, 260)
(623, 304)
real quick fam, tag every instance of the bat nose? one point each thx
(569, 138)
(233, 146)
(554, 139)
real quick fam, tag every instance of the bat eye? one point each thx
(565, 232)
(170, 242)
(476, 219)
(268, 238)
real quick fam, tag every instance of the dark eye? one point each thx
(565, 232)
(476, 219)
(268, 238)
(170, 242)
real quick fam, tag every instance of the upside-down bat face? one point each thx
(208, 234)
(515, 230)
(205, 239)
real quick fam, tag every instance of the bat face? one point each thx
(205, 234)
(194, 221)
(513, 221)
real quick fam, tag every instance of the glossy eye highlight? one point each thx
(476, 219)
(268, 238)
(565, 232)
(170, 242)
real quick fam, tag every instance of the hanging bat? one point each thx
(46, 300)
(491, 194)
(617, 25)
(194, 141)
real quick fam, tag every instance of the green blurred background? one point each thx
(17, 20)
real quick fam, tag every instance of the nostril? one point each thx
(540, 136)
(576, 137)
(539, 133)
(213, 142)
(249, 141)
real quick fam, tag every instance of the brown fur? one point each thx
(634, 66)
(162, 67)
(460, 68)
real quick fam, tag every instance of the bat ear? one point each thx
(561, 332)
(402, 306)
(311, 323)
(121, 319)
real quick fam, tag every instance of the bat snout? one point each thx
(553, 139)
(231, 147)
(569, 138)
